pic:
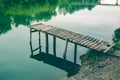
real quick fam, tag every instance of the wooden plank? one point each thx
(109, 48)
(86, 40)
(40, 27)
(93, 46)
(98, 47)
(83, 40)
(89, 42)
(48, 29)
(92, 43)
(76, 36)
(79, 39)
(52, 30)
(103, 46)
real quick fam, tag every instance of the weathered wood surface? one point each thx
(79, 39)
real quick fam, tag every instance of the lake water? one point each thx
(99, 21)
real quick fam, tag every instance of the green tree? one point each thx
(116, 37)
(26, 11)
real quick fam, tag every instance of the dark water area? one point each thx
(91, 17)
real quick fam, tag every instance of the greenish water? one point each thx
(99, 21)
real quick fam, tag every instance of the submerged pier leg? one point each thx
(54, 45)
(65, 50)
(39, 42)
(75, 53)
(47, 43)
(31, 42)
(31, 49)
(30, 35)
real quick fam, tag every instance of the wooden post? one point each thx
(30, 35)
(54, 45)
(75, 53)
(99, 1)
(65, 50)
(31, 48)
(39, 42)
(47, 43)
(116, 2)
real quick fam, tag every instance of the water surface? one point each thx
(99, 21)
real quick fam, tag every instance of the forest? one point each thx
(24, 12)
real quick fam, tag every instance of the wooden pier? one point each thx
(68, 36)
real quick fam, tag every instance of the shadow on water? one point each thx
(24, 12)
(70, 67)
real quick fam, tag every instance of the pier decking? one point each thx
(68, 36)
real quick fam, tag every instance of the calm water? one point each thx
(99, 21)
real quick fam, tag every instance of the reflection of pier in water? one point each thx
(70, 67)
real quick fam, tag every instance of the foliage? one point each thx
(116, 36)
(118, 44)
(26, 11)
(93, 56)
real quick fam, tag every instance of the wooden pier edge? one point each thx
(69, 36)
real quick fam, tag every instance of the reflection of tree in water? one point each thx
(72, 6)
(25, 11)
(5, 23)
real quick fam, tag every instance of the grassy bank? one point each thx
(117, 44)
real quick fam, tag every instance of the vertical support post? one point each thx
(31, 49)
(116, 2)
(54, 45)
(47, 43)
(39, 42)
(30, 35)
(65, 50)
(31, 42)
(75, 53)
(99, 1)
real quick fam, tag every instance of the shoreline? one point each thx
(107, 69)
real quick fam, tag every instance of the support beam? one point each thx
(75, 53)
(31, 48)
(47, 43)
(65, 50)
(39, 42)
(54, 45)
(30, 35)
